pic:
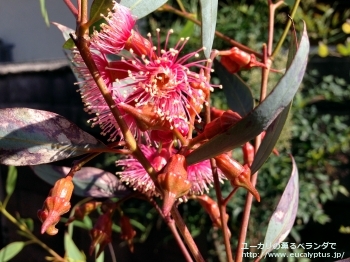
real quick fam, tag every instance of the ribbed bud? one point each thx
(237, 174)
(128, 233)
(55, 205)
(101, 234)
(173, 182)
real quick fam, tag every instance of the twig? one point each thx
(31, 236)
(186, 235)
(286, 30)
(188, 16)
(71, 7)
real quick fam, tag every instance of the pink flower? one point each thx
(111, 39)
(201, 177)
(133, 174)
(162, 79)
(114, 35)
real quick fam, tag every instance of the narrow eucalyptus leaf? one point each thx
(11, 180)
(273, 132)
(32, 137)
(283, 217)
(72, 251)
(141, 8)
(238, 95)
(11, 250)
(209, 9)
(44, 12)
(263, 115)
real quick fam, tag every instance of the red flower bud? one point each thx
(235, 59)
(55, 205)
(248, 153)
(217, 126)
(81, 211)
(212, 208)
(128, 233)
(237, 174)
(173, 182)
(138, 44)
(101, 233)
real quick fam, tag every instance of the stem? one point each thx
(181, 6)
(171, 224)
(222, 209)
(221, 205)
(188, 16)
(286, 30)
(272, 9)
(71, 7)
(30, 235)
(186, 235)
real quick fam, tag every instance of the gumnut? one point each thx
(238, 175)
(128, 233)
(173, 182)
(56, 204)
(101, 233)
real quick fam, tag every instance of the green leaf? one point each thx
(283, 217)
(238, 95)
(101, 257)
(263, 115)
(11, 250)
(273, 132)
(11, 180)
(69, 44)
(32, 137)
(209, 9)
(88, 181)
(44, 12)
(188, 29)
(141, 8)
(72, 251)
(99, 7)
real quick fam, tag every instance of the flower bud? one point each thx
(217, 126)
(173, 182)
(55, 205)
(101, 233)
(146, 117)
(139, 45)
(237, 174)
(128, 233)
(235, 59)
(81, 211)
(212, 208)
(248, 153)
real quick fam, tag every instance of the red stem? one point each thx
(186, 235)
(72, 8)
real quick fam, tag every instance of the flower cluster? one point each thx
(160, 93)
